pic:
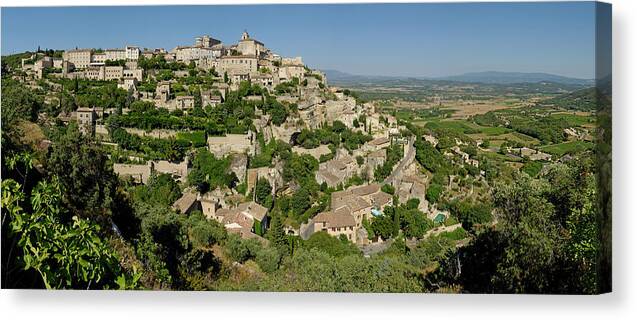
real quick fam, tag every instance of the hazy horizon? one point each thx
(403, 40)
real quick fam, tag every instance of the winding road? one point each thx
(396, 175)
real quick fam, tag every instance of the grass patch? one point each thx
(573, 120)
(459, 126)
(494, 131)
(197, 138)
(456, 235)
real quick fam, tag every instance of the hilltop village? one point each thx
(208, 74)
(226, 166)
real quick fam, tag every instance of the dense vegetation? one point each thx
(582, 100)
(69, 222)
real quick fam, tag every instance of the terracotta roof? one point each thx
(238, 218)
(253, 209)
(328, 177)
(379, 141)
(222, 212)
(185, 202)
(335, 219)
(337, 164)
(365, 190)
(381, 198)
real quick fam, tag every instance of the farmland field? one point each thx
(561, 149)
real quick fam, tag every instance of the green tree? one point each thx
(383, 226)
(276, 233)
(533, 241)
(433, 192)
(85, 175)
(268, 259)
(334, 246)
(263, 192)
(65, 254)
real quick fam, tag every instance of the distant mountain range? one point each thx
(491, 77)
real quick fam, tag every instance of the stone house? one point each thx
(184, 102)
(246, 218)
(360, 200)
(336, 171)
(336, 224)
(208, 98)
(377, 144)
(86, 118)
(162, 91)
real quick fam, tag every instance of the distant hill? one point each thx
(344, 77)
(490, 77)
(515, 77)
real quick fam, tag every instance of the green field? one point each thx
(573, 120)
(572, 147)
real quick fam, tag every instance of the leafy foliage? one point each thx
(209, 172)
(65, 254)
(333, 246)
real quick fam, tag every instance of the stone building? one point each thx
(187, 203)
(248, 219)
(336, 224)
(209, 98)
(132, 52)
(86, 119)
(188, 53)
(80, 58)
(162, 92)
(136, 73)
(115, 54)
(336, 171)
(242, 64)
(250, 47)
(206, 41)
(184, 102)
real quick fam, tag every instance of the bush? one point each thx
(331, 245)
(433, 192)
(268, 259)
(457, 234)
(388, 188)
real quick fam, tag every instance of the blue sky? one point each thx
(372, 39)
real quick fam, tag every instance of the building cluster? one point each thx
(316, 105)
(103, 65)
(348, 210)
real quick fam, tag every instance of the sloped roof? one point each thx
(381, 198)
(366, 190)
(254, 209)
(238, 218)
(185, 202)
(379, 141)
(329, 177)
(335, 219)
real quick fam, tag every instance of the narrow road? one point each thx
(404, 162)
